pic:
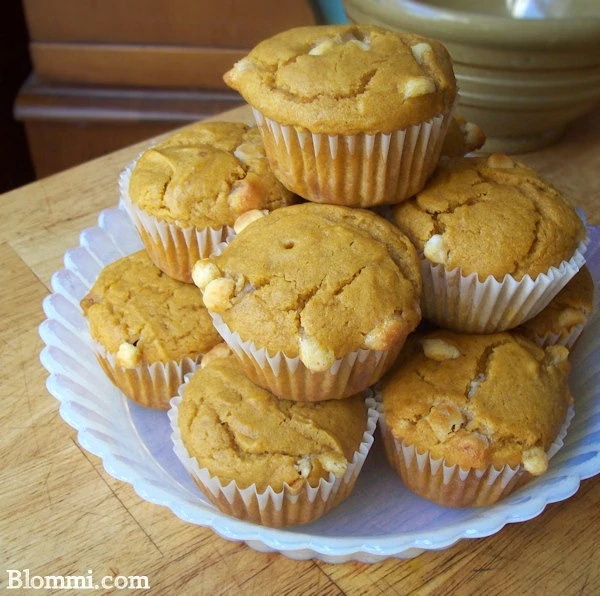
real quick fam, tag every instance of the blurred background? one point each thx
(82, 78)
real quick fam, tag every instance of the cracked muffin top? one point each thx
(316, 281)
(491, 216)
(206, 175)
(570, 308)
(141, 315)
(478, 400)
(346, 79)
(241, 432)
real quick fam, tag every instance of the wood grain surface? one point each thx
(62, 514)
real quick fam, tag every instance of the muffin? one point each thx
(263, 459)
(148, 329)
(351, 115)
(462, 137)
(468, 418)
(497, 243)
(315, 300)
(185, 193)
(563, 320)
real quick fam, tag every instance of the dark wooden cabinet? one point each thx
(111, 73)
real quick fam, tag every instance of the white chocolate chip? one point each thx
(128, 356)
(362, 44)
(385, 334)
(474, 385)
(243, 65)
(315, 357)
(439, 349)
(472, 133)
(418, 86)
(221, 350)
(556, 354)
(247, 152)
(218, 293)
(435, 249)
(303, 466)
(445, 419)
(535, 460)
(419, 51)
(500, 160)
(322, 47)
(203, 272)
(245, 219)
(337, 465)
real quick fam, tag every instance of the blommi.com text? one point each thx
(22, 579)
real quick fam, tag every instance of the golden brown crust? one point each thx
(141, 315)
(206, 176)
(241, 432)
(487, 399)
(318, 281)
(346, 79)
(570, 308)
(491, 216)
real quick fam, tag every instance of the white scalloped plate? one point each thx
(380, 519)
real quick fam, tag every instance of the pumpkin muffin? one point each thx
(149, 330)
(565, 317)
(467, 418)
(263, 459)
(497, 242)
(350, 114)
(316, 300)
(185, 193)
(462, 137)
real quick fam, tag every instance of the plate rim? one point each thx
(367, 548)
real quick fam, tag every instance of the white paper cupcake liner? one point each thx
(151, 385)
(172, 248)
(272, 508)
(454, 486)
(463, 303)
(567, 339)
(361, 170)
(289, 378)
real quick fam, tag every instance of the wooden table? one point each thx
(62, 514)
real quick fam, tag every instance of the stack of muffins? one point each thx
(357, 271)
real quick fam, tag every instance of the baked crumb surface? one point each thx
(491, 216)
(241, 432)
(316, 281)
(502, 400)
(206, 175)
(141, 315)
(346, 79)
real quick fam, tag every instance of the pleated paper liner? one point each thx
(289, 378)
(361, 170)
(463, 303)
(451, 485)
(567, 338)
(172, 248)
(275, 508)
(151, 385)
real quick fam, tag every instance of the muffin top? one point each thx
(316, 281)
(241, 432)
(141, 315)
(570, 308)
(491, 216)
(346, 79)
(206, 175)
(477, 400)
